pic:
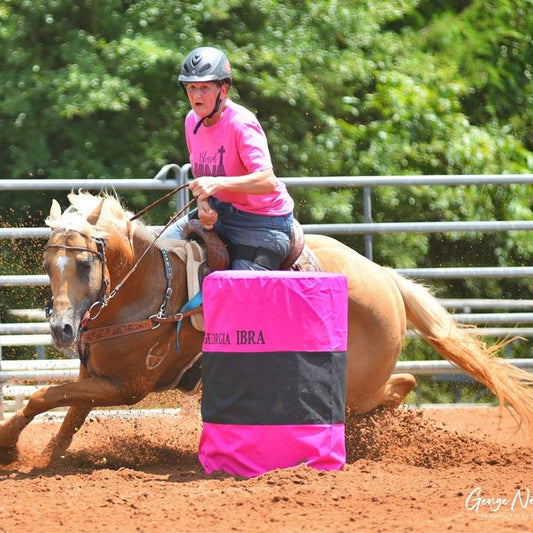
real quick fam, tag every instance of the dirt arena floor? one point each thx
(408, 470)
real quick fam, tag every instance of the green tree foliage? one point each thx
(342, 88)
(83, 91)
(491, 44)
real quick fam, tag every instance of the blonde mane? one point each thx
(113, 216)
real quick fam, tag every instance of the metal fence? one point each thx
(516, 318)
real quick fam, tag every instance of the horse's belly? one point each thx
(376, 321)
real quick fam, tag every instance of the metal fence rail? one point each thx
(56, 370)
(508, 317)
(176, 175)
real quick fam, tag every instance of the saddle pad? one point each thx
(195, 257)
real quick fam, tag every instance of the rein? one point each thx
(162, 199)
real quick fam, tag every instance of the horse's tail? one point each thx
(511, 385)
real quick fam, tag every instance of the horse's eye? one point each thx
(46, 266)
(84, 268)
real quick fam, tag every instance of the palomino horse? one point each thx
(95, 247)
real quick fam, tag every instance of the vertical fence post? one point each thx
(1, 387)
(183, 195)
(367, 210)
(180, 175)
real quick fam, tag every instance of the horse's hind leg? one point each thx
(396, 389)
(391, 394)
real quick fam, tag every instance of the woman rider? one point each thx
(236, 190)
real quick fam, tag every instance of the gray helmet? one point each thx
(205, 64)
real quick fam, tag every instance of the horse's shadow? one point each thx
(137, 454)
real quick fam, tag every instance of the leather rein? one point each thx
(94, 335)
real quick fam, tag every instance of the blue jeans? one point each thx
(175, 231)
(270, 233)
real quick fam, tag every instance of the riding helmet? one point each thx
(205, 64)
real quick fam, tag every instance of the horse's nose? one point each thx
(62, 333)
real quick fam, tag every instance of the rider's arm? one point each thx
(260, 182)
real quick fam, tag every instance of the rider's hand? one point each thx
(204, 187)
(206, 214)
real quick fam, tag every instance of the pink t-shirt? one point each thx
(236, 145)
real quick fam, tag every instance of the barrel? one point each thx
(273, 371)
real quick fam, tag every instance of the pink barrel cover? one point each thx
(252, 450)
(273, 371)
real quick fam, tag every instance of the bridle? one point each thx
(153, 321)
(102, 298)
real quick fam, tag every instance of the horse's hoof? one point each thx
(8, 455)
(397, 388)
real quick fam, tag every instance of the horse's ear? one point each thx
(95, 215)
(55, 210)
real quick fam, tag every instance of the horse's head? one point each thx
(75, 261)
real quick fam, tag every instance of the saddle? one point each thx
(299, 258)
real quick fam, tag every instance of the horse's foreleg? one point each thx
(60, 442)
(82, 395)
(10, 430)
